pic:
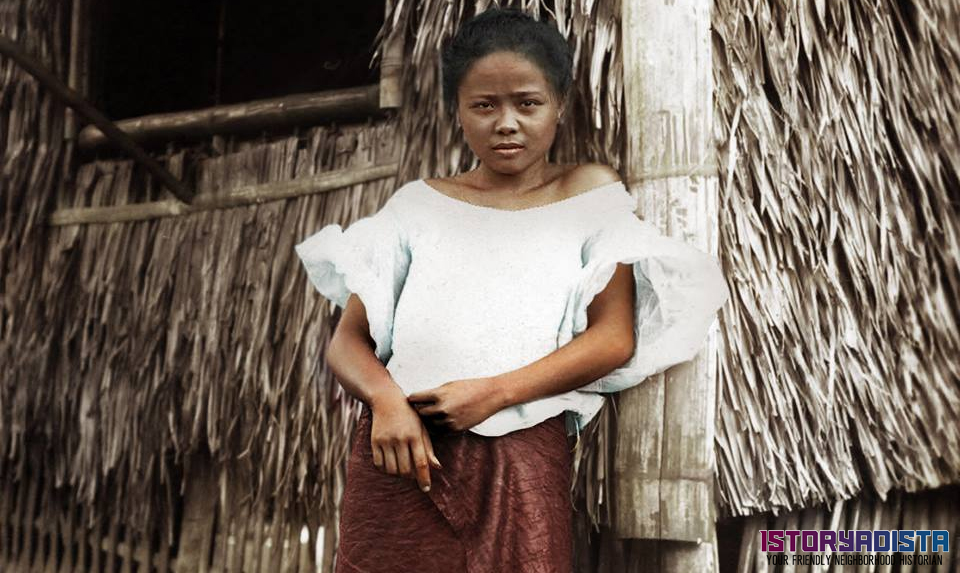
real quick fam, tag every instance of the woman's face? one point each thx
(508, 111)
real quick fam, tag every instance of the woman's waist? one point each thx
(424, 364)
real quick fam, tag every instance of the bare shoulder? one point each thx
(580, 178)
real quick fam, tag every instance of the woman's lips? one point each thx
(508, 151)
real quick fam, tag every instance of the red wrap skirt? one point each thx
(500, 504)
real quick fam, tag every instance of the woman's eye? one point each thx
(529, 103)
(482, 105)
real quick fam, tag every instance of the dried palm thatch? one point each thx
(33, 159)
(433, 145)
(839, 225)
(159, 339)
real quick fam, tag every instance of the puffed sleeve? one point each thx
(679, 290)
(370, 259)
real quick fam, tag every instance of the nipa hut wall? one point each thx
(34, 161)
(199, 333)
(839, 221)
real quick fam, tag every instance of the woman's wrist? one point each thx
(503, 391)
(388, 399)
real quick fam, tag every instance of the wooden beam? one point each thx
(391, 64)
(199, 508)
(257, 115)
(664, 466)
(78, 76)
(72, 99)
(246, 195)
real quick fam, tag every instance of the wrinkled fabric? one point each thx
(369, 259)
(678, 290)
(499, 504)
(455, 290)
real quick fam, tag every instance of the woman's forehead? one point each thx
(504, 73)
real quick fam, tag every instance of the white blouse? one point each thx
(455, 290)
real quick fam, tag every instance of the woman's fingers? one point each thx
(404, 466)
(425, 408)
(377, 455)
(421, 464)
(389, 460)
(428, 448)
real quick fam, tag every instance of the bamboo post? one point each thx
(199, 507)
(29, 520)
(288, 560)
(229, 547)
(78, 76)
(257, 549)
(16, 520)
(663, 487)
(67, 525)
(163, 558)
(50, 534)
(92, 537)
(221, 545)
(127, 549)
(277, 538)
(5, 512)
(391, 64)
(330, 541)
(308, 552)
(110, 543)
(236, 564)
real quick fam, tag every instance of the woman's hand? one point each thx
(400, 442)
(461, 404)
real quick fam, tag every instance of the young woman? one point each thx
(484, 316)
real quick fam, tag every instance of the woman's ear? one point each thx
(561, 106)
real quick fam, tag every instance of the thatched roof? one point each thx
(839, 234)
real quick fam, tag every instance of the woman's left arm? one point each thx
(606, 344)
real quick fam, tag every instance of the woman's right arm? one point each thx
(399, 440)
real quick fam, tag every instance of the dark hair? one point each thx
(510, 30)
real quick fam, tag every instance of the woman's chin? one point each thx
(506, 166)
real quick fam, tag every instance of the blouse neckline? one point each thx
(573, 198)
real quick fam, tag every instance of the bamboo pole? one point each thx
(109, 129)
(246, 195)
(200, 505)
(29, 524)
(391, 64)
(5, 519)
(664, 464)
(297, 109)
(78, 76)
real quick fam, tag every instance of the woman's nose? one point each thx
(507, 122)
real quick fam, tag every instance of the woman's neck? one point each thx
(535, 176)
